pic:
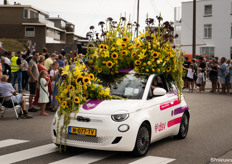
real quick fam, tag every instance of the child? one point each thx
(190, 77)
(200, 79)
(53, 73)
(43, 93)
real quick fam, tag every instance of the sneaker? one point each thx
(32, 110)
(25, 116)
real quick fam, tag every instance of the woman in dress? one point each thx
(41, 67)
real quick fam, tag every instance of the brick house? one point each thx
(28, 23)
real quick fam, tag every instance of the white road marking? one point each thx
(27, 154)
(85, 158)
(153, 160)
(10, 142)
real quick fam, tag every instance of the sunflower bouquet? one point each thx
(151, 52)
(114, 51)
(77, 87)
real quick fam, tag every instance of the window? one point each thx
(29, 31)
(208, 31)
(25, 14)
(207, 51)
(208, 10)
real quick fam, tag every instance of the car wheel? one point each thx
(142, 141)
(184, 125)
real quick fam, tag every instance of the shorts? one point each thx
(32, 87)
(189, 79)
(17, 99)
(222, 80)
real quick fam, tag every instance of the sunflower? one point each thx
(138, 62)
(109, 64)
(78, 79)
(105, 47)
(77, 100)
(123, 45)
(64, 104)
(101, 46)
(86, 95)
(70, 87)
(155, 54)
(168, 69)
(91, 76)
(125, 39)
(99, 70)
(114, 55)
(113, 45)
(133, 54)
(85, 80)
(124, 52)
(138, 45)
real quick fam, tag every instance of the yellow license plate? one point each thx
(84, 131)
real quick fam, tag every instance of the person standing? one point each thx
(227, 78)
(49, 61)
(202, 67)
(16, 65)
(60, 61)
(190, 77)
(213, 75)
(25, 73)
(222, 74)
(34, 75)
(43, 92)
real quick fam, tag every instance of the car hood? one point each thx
(108, 107)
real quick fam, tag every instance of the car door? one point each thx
(158, 108)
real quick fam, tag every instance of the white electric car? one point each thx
(150, 111)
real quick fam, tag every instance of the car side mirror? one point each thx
(159, 92)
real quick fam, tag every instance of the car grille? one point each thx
(89, 139)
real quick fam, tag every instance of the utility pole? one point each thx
(138, 19)
(194, 28)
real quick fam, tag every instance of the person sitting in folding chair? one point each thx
(6, 89)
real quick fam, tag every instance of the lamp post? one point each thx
(194, 29)
(138, 19)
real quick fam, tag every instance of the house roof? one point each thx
(25, 6)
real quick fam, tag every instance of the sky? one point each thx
(85, 13)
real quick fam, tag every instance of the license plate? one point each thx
(83, 131)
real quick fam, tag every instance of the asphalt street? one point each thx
(27, 141)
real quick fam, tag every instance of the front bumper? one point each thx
(108, 136)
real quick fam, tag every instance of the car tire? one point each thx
(142, 141)
(184, 126)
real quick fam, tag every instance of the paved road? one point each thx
(28, 141)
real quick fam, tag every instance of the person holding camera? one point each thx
(34, 75)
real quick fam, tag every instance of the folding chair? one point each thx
(9, 104)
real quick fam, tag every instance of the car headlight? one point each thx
(120, 117)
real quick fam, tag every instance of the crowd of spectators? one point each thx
(34, 73)
(219, 72)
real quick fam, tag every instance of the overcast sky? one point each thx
(84, 13)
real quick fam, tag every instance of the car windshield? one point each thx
(129, 86)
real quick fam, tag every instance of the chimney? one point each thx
(5, 2)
